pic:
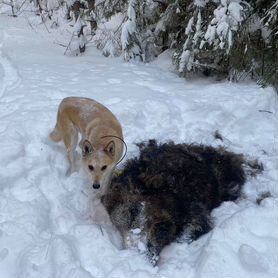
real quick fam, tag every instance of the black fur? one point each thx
(170, 189)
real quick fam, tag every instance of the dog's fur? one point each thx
(99, 128)
(168, 192)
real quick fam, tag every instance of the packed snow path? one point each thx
(50, 224)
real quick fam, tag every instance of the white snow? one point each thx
(111, 30)
(52, 226)
(136, 231)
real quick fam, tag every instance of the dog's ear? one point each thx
(110, 148)
(87, 148)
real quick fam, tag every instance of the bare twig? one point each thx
(60, 44)
(44, 24)
(69, 43)
(30, 24)
(266, 111)
(19, 12)
(101, 230)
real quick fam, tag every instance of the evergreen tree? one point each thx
(230, 38)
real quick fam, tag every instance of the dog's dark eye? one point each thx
(103, 168)
(91, 167)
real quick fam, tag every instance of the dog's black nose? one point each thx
(96, 185)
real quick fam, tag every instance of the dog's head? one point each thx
(99, 163)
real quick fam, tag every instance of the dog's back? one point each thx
(84, 114)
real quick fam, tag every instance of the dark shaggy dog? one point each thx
(168, 192)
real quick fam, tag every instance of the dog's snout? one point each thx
(96, 185)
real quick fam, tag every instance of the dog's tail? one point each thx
(55, 135)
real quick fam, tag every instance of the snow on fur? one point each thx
(169, 190)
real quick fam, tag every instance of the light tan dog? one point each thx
(101, 142)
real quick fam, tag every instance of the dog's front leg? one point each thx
(71, 168)
(70, 141)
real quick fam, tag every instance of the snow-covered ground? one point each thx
(51, 225)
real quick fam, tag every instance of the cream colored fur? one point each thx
(93, 121)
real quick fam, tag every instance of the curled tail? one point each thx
(55, 135)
